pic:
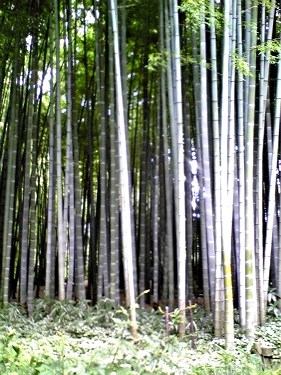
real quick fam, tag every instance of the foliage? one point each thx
(70, 338)
(273, 48)
(193, 13)
(241, 65)
(157, 60)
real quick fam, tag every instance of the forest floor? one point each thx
(66, 338)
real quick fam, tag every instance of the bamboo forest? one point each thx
(140, 157)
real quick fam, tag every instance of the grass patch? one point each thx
(66, 338)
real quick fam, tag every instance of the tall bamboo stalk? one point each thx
(125, 193)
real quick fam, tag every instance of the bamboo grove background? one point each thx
(140, 149)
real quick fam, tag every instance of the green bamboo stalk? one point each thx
(125, 193)
(251, 310)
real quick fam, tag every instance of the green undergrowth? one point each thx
(66, 338)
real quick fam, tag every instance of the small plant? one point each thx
(272, 300)
(175, 319)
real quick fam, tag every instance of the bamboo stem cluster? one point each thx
(104, 107)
